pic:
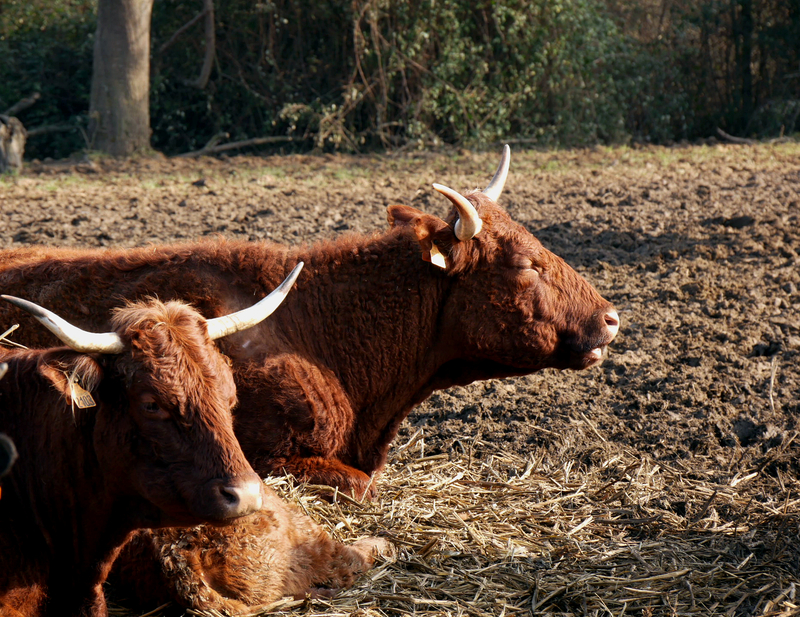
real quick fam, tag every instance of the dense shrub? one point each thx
(385, 72)
(353, 74)
(277, 64)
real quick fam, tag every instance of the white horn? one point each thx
(469, 223)
(249, 317)
(498, 182)
(72, 336)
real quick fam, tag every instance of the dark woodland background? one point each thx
(363, 74)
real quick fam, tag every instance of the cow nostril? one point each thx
(612, 322)
(230, 495)
(240, 496)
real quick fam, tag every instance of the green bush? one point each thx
(271, 58)
(478, 72)
(386, 72)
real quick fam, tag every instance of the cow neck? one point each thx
(373, 312)
(63, 474)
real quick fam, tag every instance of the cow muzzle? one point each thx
(233, 497)
(611, 327)
(612, 323)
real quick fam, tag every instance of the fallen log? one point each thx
(256, 141)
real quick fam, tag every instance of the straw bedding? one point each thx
(608, 532)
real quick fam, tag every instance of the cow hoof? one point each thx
(373, 547)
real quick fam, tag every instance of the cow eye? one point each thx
(522, 263)
(153, 410)
(525, 268)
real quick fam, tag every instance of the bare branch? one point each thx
(735, 140)
(181, 30)
(215, 140)
(208, 59)
(22, 104)
(256, 141)
(51, 128)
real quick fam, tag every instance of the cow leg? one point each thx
(317, 559)
(245, 566)
(352, 560)
(294, 417)
(330, 472)
(70, 601)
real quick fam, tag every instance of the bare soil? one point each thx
(698, 247)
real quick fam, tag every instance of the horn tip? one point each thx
(14, 300)
(295, 272)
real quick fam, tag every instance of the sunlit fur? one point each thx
(368, 332)
(240, 568)
(86, 478)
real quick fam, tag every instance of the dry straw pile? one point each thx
(482, 532)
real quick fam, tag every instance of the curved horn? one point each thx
(469, 223)
(498, 182)
(79, 340)
(249, 317)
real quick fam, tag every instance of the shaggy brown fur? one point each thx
(239, 569)
(157, 449)
(370, 330)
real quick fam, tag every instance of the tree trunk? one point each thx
(12, 143)
(119, 109)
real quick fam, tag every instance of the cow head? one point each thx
(512, 305)
(163, 426)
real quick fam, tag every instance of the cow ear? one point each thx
(435, 237)
(73, 376)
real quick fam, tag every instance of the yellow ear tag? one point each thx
(437, 258)
(82, 398)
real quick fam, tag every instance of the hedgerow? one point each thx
(361, 74)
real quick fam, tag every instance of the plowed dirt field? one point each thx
(681, 449)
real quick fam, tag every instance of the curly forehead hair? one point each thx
(151, 313)
(172, 341)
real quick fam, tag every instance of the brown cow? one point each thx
(122, 430)
(241, 568)
(377, 322)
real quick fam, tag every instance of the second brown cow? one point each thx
(120, 430)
